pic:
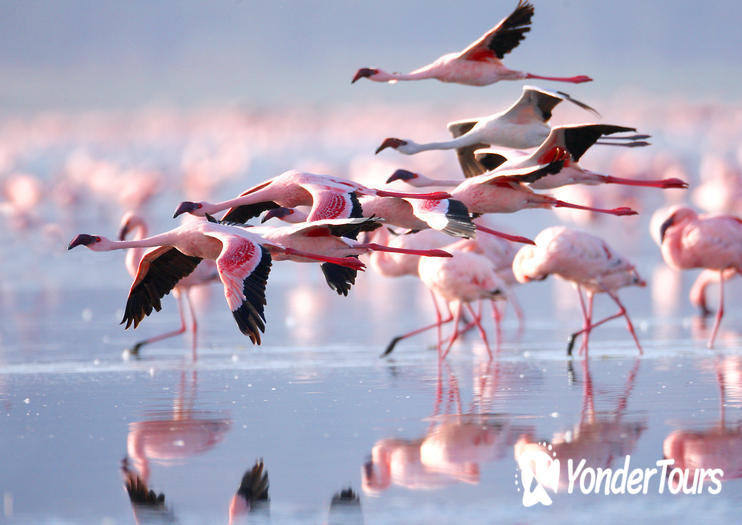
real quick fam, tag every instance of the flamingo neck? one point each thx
(459, 142)
(418, 74)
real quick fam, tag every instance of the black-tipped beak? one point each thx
(83, 239)
(124, 231)
(185, 207)
(277, 212)
(665, 225)
(390, 143)
(401, 175)
(364, 72)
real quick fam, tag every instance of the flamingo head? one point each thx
(676, 217)
(404, 175)
(364, 72)
(129, 222)
(93, 242)
(280, 213)
(194, 208)
(391, 142)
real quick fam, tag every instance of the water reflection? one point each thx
(455, 443)
(598, 437)
(719, 446)
(345, 508)
(173, 436)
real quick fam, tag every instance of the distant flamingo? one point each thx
(329, 197)
(243, 261)
(586, 261)
(523, 125)
(500, 191)
(252, 494)
(204, 273)
(575, 140)
(689, 240)
(479, 64)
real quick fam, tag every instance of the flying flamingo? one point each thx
(479, 64)
(243, 262)
(586, 261)
(329, 197)
(204, 273)
(501, 190)
(523, 125)
(714, 242)
(574, 140)
(252, 494)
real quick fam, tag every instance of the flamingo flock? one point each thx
(442, 237)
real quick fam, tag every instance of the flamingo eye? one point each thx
(199, 206)
(97, 239)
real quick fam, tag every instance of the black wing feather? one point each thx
(250, 315)
(242, 214)
(459, 220)
(339, 278)
(163, 274)
(512, 30)
(352, 230)
(254, 484)
(579, 139)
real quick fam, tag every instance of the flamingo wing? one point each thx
(332, 204)
(243, 267)
(504, 37)
(158, 273)
(242, 214)
(577, 139)
(254, 485)
(469, 165)
(524, 174)
(447, 215)
(339, 278)
(336, 227)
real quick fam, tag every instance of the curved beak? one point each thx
(401, 175)
(391, 142)
(83, 239)
(280, 213)
(364, 72)
(665, 225)
(185, 207)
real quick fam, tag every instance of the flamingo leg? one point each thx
(438, 323)
(497, 318)
(586, 337)
(622, 210)
(455, 335)
(178, 298)
(194, 323)
(518, 312)
(348, 262)
(482, 332)
(507, 236)
(719, 312)
(381, 248)
(621, 313)
(585, 323)
(574, 80)
(663, 183)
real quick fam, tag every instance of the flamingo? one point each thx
(479, 64)
(586, 261)
(204, 273)
(697, 293)
(714, 242)
(501, 190)
(252, 494)
(574, 140)
(523, 125)
(330, 198)
(243, 262)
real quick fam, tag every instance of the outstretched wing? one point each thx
(339, 278)
(243, 267)
(504, 37)
(447, 215)
(336, 227)
(242, 214)
(332, 204)
(158, 273)
(577, 139)
(527, 174)
(469, 165)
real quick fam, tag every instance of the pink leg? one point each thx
(194, 323)
(518, 312)
(178, 299)
(719, 312)
(381, 248)
(574, 80)
(482, 332)
(586, 336)
(497, 318)
(664, 183)
(348, 262)
(629, 324)
(438, 323)
(455, 334)
(436, 195)
(514, 238)
(623, 210)
(585, 324)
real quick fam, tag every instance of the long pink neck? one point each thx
(418, 74)
(163, 239)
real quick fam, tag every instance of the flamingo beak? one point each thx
(665, 225)
(401, 175)
(391, 142)
(277, 212)
(364, 72)
(186, 207)
(83, 239)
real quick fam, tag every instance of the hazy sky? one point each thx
(101, 53)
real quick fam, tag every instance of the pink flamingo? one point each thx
(586, 261)
(697, 293)
(501, 190)
(689, 240)
(479, 64)
(204, 273)
(523, 125)
(243, 262)
(575, 140)
(252, 494)
(329, 197)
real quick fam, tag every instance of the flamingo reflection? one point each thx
(598, 438)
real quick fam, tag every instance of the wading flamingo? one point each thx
(689, 240)
(480, 63)
(586, 261)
